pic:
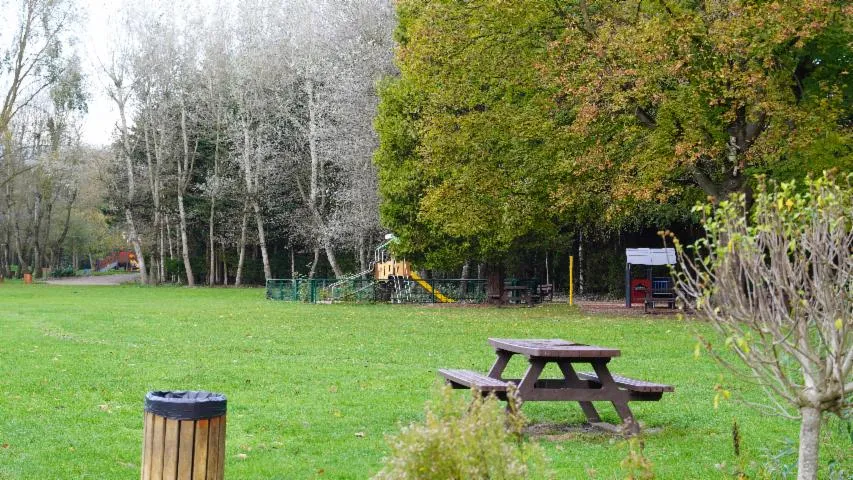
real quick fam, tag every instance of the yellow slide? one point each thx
(426, 286)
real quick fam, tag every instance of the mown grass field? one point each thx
(304, 380)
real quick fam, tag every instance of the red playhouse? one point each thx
(117, 261)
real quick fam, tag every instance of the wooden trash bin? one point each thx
(184, 436)
(28, 278)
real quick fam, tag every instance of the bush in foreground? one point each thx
(462, 440)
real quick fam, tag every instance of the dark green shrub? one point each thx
(63, 272)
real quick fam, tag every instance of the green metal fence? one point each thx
(298, 289)
(394, 290)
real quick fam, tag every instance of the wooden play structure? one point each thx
(392, 280)
(393, 273)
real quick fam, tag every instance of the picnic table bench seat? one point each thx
(472, 379)
(641, 390)
(630, 383)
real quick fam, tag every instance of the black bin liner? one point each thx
(186, 405)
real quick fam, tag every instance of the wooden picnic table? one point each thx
(581, 387)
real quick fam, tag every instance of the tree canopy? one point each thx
(512, 123)
(670, 96)
(465, 157)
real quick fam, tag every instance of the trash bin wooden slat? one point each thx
(146, 446)
(158, 433)
(213, 449)
(170, 450)
(202, 427)
(185, 455)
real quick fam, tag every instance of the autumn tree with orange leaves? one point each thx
(663, 97)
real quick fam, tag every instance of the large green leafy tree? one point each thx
(465, 155)
(670, 97)
(514, 120)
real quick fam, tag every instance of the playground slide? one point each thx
(426, 286)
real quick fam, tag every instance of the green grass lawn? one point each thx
(303, 380)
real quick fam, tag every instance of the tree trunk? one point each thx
(210, 277)
(154, 162)
(314, 263)
(262, 242)
(7, 251)
(314, 200)
(292, 262)
(137, 246)
(35, 260)
(809, 443)
(224, 265)
(169, 238)
(238, 280)
(362, 254)
(184, 174)
(495, 282)
(463, 286)
(67, 222)
(547, 271)
(185, 249)
(333, 261)
(121, 100)
(161, 269)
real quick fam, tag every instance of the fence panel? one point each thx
(368, 290)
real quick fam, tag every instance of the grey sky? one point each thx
(94, 36)
(98, 28)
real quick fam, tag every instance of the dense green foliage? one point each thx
(514, 123)
(303, 380)
(465, 157)
(670, 96)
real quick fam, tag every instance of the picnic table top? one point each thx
(552, 348)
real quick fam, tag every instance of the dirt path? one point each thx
(99, 280)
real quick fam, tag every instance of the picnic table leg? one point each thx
(499, 366)
(620, 400)
(525, 387)
(574, 382)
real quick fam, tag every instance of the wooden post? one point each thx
(184, 436)
(571, 280)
